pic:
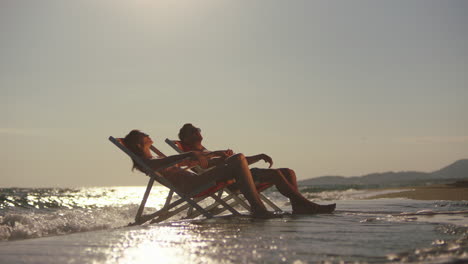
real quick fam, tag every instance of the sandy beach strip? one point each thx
(450, 192)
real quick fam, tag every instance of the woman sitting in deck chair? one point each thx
(284, 179)
(234, 167)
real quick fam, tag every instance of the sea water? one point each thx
(89, 225)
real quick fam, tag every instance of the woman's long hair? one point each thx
(132, 141)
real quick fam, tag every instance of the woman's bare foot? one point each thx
(313, 209)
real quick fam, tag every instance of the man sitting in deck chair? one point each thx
(284, 179)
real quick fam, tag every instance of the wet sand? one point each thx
(453, 192)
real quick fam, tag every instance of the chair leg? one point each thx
(190, 210)
(239, 200)
(270, 203)
(145, 198)
(226, 206)
(221, 210)
(165, 213)
(169, 198)
(169, 214)
(167, 206)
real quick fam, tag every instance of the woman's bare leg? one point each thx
(237, 167)
(245, 182)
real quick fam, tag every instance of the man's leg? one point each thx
(299, 203)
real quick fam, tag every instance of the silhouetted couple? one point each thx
(227, 166)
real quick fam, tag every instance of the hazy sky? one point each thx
(324, 87)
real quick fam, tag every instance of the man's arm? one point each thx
(223, 154)
(256, 158)
(217, 157)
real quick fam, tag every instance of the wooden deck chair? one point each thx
(170, 207)
(176, 145)
(220, 188)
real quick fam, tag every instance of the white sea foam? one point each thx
(38, 223)
(350, 194)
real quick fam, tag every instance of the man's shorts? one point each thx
(255, 172)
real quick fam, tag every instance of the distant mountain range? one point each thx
(456, 171)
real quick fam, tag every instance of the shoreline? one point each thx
(451, 192)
